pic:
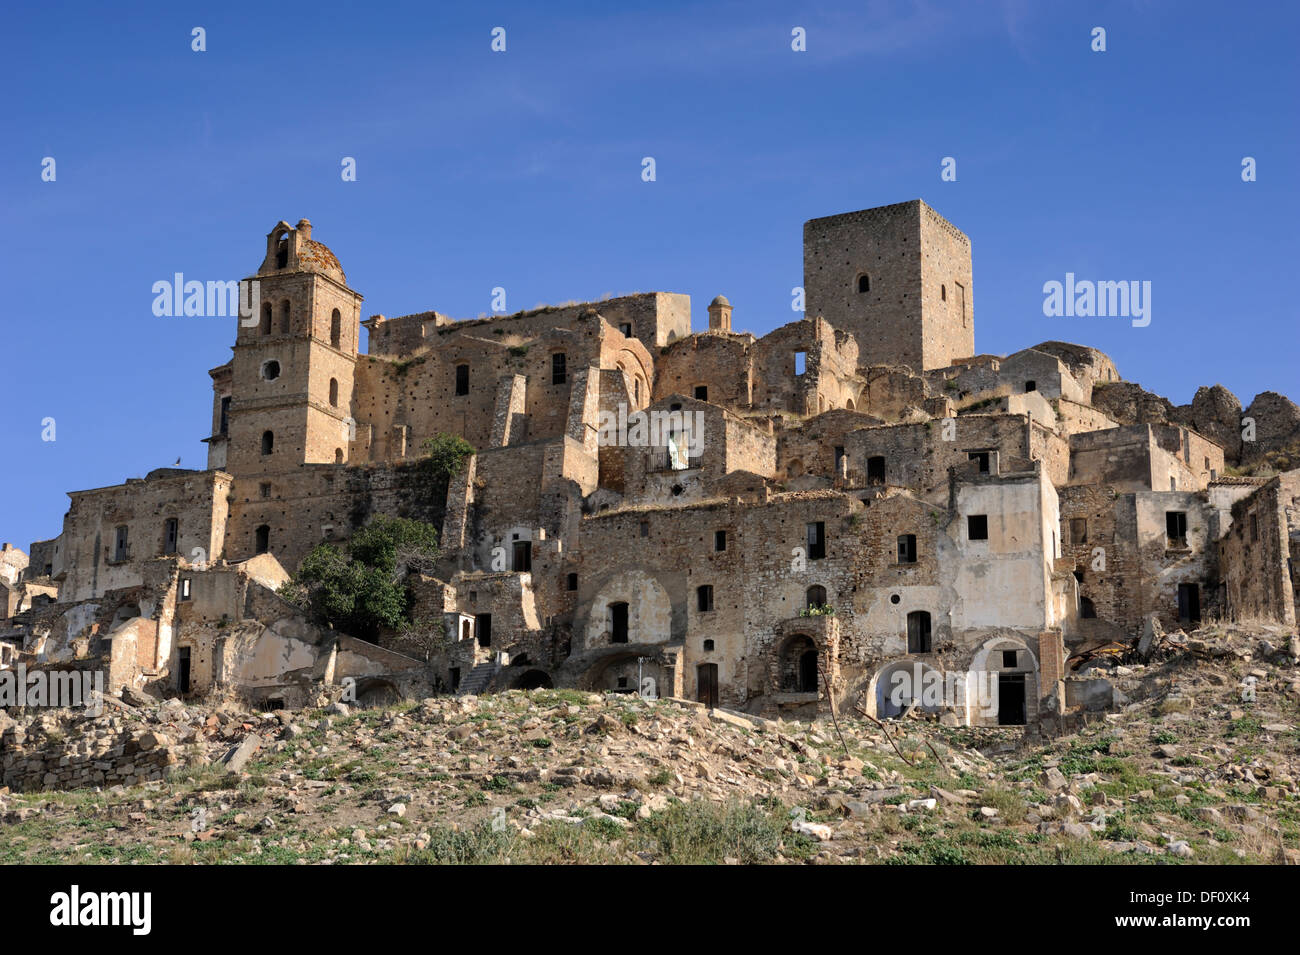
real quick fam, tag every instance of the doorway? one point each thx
(706, 684)
(183, 671)
(1011, 699)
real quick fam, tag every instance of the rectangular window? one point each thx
(618, 623)
(1078, 530)
(719, 540)
(645, 528)
(571, 582)
(816, 540)
(462, 379)
(171, 531)
(701, 393)
(120, 546)
(907, 549)
(704, 596)
(1176, 527)
(983, 458)
(800, 362)
(876, 470)
(264, 489)
(559, 374)
(839, 457)
(1009, 659)
(977, 527)
(1254, 527)
(625, 328)
(185, 588)
(225, 415)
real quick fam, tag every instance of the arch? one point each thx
(336, 328)
(334, 392)
(338, 455)
(1087, 609)
(794, 468)
(898, 685)
(816, 596)
(849, 404)
(265, 327)
(534, 680)
(284, 317)
(996, 678)
(372, 693)
(648, 608)
(864, 283)
(268, 442)
(798, 664)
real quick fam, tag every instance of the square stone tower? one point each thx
(898, 278)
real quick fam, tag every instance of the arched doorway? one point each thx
(799, 665)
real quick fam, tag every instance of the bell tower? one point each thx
(291, 377)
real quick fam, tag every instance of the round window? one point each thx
(270, 370)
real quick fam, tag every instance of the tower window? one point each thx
(800, 362)
(284, 317)
(282, 254)
(262, 539)
(270, 370)
(265, 328)
(816, 533)
(268, 442)
(462, 379)
(943, 293)
(171, 534)
(704, 598)
(559, 374)
(864, 284)
(224, 427)
(334, 392)
(336, 328)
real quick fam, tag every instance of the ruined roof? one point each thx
(315, 255)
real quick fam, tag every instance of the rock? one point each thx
(988, 812)
(1075, 830)
(1180, 849)
(462, 731)
(397, 809)
(818, 831)
(338, 709)
(1053, 779)
(1166, 750)
(239, 756)
(925, 805)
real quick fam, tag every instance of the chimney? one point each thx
(303, 229)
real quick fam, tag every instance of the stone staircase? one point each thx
(477, 679)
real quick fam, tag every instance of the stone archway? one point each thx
(905, 682)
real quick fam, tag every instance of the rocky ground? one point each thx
(1187, 771)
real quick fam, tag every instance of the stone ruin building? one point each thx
(759, 523)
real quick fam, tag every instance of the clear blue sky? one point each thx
(523, 170)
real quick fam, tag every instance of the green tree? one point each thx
(447, 454)
(364, 591)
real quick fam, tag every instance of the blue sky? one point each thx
(522, 169)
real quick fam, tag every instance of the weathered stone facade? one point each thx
(765, 523)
